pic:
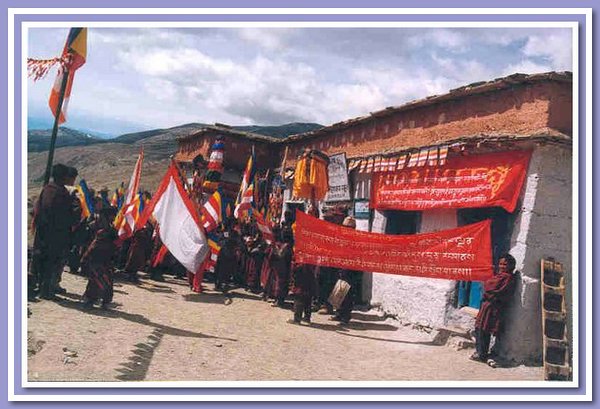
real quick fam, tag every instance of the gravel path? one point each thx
(162, 331)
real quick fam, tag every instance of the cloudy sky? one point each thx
(137, 79)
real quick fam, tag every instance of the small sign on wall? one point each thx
(361, 209)
(338, 179)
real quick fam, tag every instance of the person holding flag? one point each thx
(247, 179)
(179, 223)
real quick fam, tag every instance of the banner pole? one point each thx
(61, 97)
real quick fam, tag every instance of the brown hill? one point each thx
(103, 165)
(108, 163)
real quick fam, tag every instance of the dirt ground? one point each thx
(160, 331)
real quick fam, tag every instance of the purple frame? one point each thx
(585, 385)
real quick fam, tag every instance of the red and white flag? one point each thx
(180, 228)
(126, 219)
(264, 228)
(245, 202)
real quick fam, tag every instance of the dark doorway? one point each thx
(401, 222)
(470, 292)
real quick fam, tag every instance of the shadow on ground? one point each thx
(136, 366)
(139, 319)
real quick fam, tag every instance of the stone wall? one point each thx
(543, 229)
(423, 301)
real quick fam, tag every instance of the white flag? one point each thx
(180, 228)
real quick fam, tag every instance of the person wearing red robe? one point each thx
(96, 264)
(139, 253)
(281, 263)
(497, 293)
(53, 218)
(267, 277)
(254, 262)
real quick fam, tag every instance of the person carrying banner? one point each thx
(281, 263)
(96, 264)
(139, 252)
(53, 219)
(490, 319)
(304, 289)
(344, 312)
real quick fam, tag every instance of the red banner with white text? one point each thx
(493, 179)
(463, 253)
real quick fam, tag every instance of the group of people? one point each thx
(266, 267)
(91, 247)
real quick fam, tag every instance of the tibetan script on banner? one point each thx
(493, 179)
(463, 253)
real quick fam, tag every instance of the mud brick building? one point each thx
(532, 113)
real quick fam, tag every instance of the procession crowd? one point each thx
(91, 247)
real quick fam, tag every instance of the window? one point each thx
(401, 222)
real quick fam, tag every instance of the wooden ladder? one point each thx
(556, 351)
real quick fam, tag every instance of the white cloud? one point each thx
(164, 77)
(271, 39)
(525, 67)
(556, 48)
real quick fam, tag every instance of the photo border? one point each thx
(70, 16)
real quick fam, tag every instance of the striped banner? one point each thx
(401, 162)
(422, 161)
(432, 157)
(443, 155)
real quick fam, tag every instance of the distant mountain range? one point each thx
(108, 162)
(39, 140)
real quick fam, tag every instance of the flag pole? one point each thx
(61, 97)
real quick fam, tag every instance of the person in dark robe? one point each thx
(304, 289)
(497, 291)
(256, 255)
(242, 256)
(139, 252)
(327, 277)
(53, 218)
(344, 313)
(79, 233)
(267, 277)
(97, 263)
(281, 263)
(227, 262)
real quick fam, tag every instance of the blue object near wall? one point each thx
(475, 294)
(463, 293)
